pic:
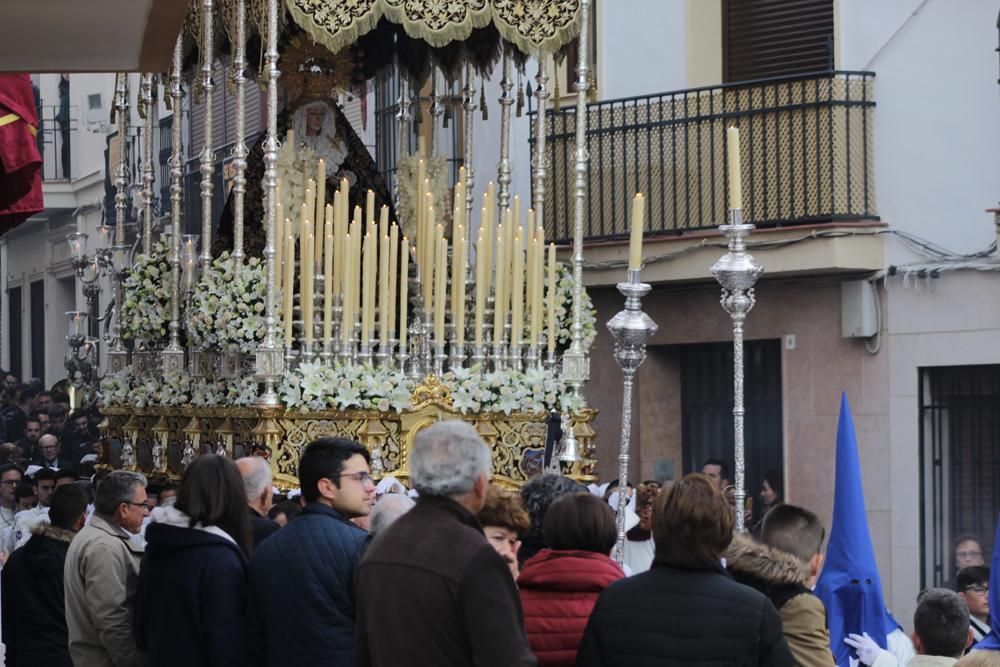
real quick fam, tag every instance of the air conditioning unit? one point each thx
(95, 115)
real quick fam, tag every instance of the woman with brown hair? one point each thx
(504, 520)
(685, 608)
(559, 585)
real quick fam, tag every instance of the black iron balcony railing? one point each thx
(54, 140)
(806, 156)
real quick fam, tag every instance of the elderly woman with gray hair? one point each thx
(459, 603)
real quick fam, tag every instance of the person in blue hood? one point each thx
(991, 642)
(849, 585)
(193, 600)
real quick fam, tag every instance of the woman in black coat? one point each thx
(686, 608)
(193, 599)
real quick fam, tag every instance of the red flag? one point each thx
(20, 163)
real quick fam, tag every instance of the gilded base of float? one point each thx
(161, 441)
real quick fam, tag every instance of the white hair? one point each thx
(387, 509)
(447, 458)
(256, 476)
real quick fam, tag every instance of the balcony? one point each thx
(806, 156)
(55, 139)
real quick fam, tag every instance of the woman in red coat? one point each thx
(560, 585)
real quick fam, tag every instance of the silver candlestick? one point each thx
(630, 328)
(737, 271)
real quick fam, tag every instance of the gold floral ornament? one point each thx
(431, 390)
(310, 72)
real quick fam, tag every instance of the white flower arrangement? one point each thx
(227, 306)
(564, 312)
(296, 165)
(116, 388)
(145, 311)
(313, 386)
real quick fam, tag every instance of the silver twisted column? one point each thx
(269, 364)
(173, 355)
(468, 107)
(630, 328)
(737, 271)
(402, 135)
(576, 366)
(117, 356)
(147, 109)
(208, 152)
(503, 167)
(240, 149)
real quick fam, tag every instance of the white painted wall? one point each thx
(641, 47)
(936, 135)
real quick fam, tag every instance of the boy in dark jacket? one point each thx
(31, 587)
(784, 569)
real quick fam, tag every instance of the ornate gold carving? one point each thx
(310, 71)
(431, 391)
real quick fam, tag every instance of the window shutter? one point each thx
(770, 38)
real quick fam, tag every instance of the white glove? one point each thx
(865, 647)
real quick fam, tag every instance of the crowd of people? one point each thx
(223, 570)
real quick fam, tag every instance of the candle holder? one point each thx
(478, 355)
(326, 356)
(402, 354)
(630, 328)
(737, 272)
(439, 358)
(457, 350)
(414, 370)
(514, 358)
(533, 360)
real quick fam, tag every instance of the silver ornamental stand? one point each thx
(576, 365)
(737, 271)
(630, 328)
(173, 356)
(269, 363)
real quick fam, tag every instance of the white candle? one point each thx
(638, 225)
(735, 179)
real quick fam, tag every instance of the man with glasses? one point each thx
(303, 575)
(974, 587)
(101, 573)
(10, 478)
(968, 553)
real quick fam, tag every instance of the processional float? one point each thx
(333, 308)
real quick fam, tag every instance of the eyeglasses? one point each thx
(969, 554)
(362, 477)
(977, 588)
(10, 482)
(144, 506)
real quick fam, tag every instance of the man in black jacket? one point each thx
(302, 576)
(258, 481)
(31, 587)
(431, 590)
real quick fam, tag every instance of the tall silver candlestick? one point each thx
(576, 364)
(240, 151)
(737, 271)
(270, 365)
(207, 167)
(173, 355)
(117, 355)
(630, 328)
(146, 111)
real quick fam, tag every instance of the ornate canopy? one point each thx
(534, 26)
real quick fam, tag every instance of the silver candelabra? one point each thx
(630, 328)
(737, 271)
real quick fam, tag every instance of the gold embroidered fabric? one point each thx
(534, 26)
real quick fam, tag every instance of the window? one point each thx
(959, 432)
(38, 329)
(14, 320)
(771, 38)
